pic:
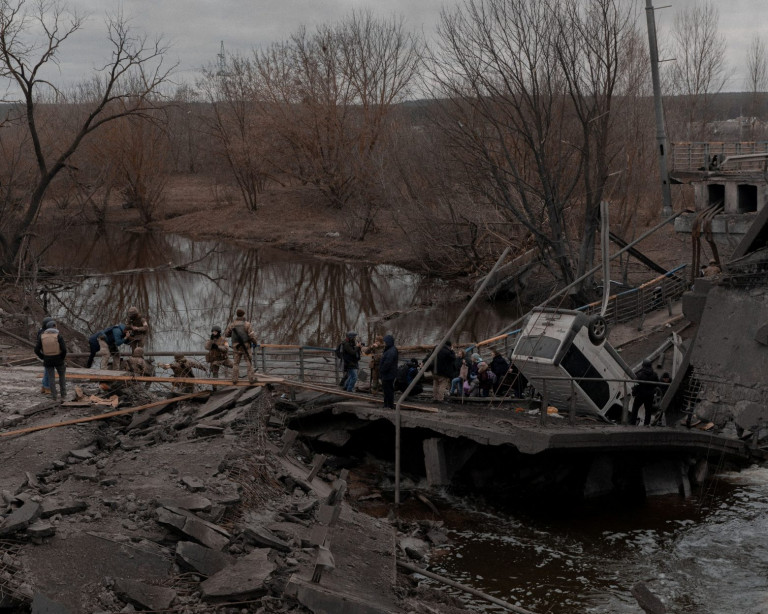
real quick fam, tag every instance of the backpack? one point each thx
(50, 343)
(239, 335)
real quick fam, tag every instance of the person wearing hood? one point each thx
(52, 350)
(107, 344)
(643, 392)
(388, 371)
(443, 372)
(46, 387)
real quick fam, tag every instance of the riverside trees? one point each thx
(530, 91)
(51, 123)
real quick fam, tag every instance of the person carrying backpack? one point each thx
(52, 350)
(242, 336)
(106, 342)
(46, 387)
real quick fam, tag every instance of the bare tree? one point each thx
(238, 125)
(330, 96)
(757, 78)
(32, 34)
(699, 68)
(529, 89)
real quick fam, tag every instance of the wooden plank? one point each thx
(111, 377)
(111, 414)
(316, 466)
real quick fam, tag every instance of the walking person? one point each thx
(643, 392)
(350, 356)
(45, 386)
(106, 343)
(443, 372)
(52, 350)
(388, 371)
(136, 329)
(241, 333)
(218, 352)
(460, 367)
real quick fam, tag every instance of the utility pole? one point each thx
(661, 134)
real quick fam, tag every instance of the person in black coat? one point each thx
(643, 392)
(499, 365)
(443, 372)
(388, 371)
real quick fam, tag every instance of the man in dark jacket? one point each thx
(350, 356)
(643, 392)
(499, 365)
(52, 350)
(443, 372)
(108, 342)
(388, 371)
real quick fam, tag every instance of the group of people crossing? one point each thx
(106, 343)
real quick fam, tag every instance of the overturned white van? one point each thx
(568, 350)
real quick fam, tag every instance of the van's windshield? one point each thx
(538, 346)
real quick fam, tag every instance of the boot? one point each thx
(45, 390)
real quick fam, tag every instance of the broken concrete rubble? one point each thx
(145, 596)
(20, 519)
(203, 560)
(243, 580)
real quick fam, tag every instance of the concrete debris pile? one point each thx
(186, 507)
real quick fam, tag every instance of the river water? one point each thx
(707, 554)
(289, 298)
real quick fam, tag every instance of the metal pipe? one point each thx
(429, 361)
(463, 587)
(661, 134)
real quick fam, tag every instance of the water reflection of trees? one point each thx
(289, 299)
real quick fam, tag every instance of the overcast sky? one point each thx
(195, 28)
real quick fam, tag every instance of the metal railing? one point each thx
(622, 307)
(698, 156)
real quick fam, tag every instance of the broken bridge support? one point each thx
(443, 458)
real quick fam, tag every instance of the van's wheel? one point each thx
(597, 329)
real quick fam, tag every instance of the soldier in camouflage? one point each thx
(218, 352)
(241, 333)
(136, 329)
(182, 367)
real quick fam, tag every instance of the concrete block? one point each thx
(193, 503)
(208, 430)
(206, 533)
(219, 401)
(435, 462)
(41, 528)
(201, 559)
(146, 596)
(84, 454)
(50, 507)
(44, 605)
(20, 519)
(599, 480)
(243, 580)
(322, 600)
(192, 483)
(264, 538)
(665, 477)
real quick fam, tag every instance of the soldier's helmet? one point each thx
(139, 352)
(178, 356)
(216, 329)
(133, 311)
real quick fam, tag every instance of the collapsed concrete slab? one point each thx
(193, 503)
(264, 537)
(206, 533)
(219, 401)
(51, 507)
(44, 605)
(20, 519)
(242, 580)
(323, 600)
(145, 596)
(201, 559)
